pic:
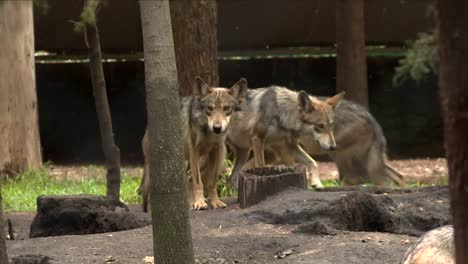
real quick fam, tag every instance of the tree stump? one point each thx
(257, 184)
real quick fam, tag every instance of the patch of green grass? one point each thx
(20, 193)
(128, 187)
(332, 183)
(340, 183)
(442, 181)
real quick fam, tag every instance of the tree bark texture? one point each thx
(19, 127)
(452, 28)
(171, 228)
(3, 252)
(194, 26)
(111, 151)
(351, 68)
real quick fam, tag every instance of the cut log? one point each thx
(257, 184)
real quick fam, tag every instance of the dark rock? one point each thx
(82, 214)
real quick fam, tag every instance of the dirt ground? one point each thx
(415, 170)
(348, 225)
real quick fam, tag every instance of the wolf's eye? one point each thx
(320, 126)
(226, 108)
(210, 108)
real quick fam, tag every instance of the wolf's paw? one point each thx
(217, 203)
(317, 184)
(199, 205)
(313, 181)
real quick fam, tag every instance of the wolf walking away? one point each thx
(205, 120)
(361, 147)
(277, 116)
(434, 247)
(359, 151)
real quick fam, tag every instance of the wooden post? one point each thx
(351, 68)
(452, 27)
(194, 27)
(20, 146)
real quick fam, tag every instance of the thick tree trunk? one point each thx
(3, 252)
(351, 69)
(111, 151)
(452, 28)
(19, 129)
(194, 25)
(171, 228)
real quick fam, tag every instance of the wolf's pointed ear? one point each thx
(239, 90)
(305, 104)
(333, 101)
(200, 89)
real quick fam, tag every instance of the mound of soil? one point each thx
(82, 214)
(31, 259)
(399, 211)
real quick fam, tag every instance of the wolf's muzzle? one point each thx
(217, 129)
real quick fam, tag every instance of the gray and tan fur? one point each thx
(360, 153)
(434, 247)
(205, 120)
(277, 115)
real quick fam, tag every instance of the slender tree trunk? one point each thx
(351, 69)
(111, 151)
(3, 252)
(452, 28)
(171, 227)
(19, 129)
(194, 25)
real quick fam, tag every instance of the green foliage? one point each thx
(88, 14)
(419, 61)
(223, 187)
(20, 194)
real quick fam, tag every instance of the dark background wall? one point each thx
(69, 130)
(242, 24)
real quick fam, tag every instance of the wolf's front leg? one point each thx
(198, 198)
(213, 193)
(258, 145)
(215, 169)
(312, 168)
(242, 157)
